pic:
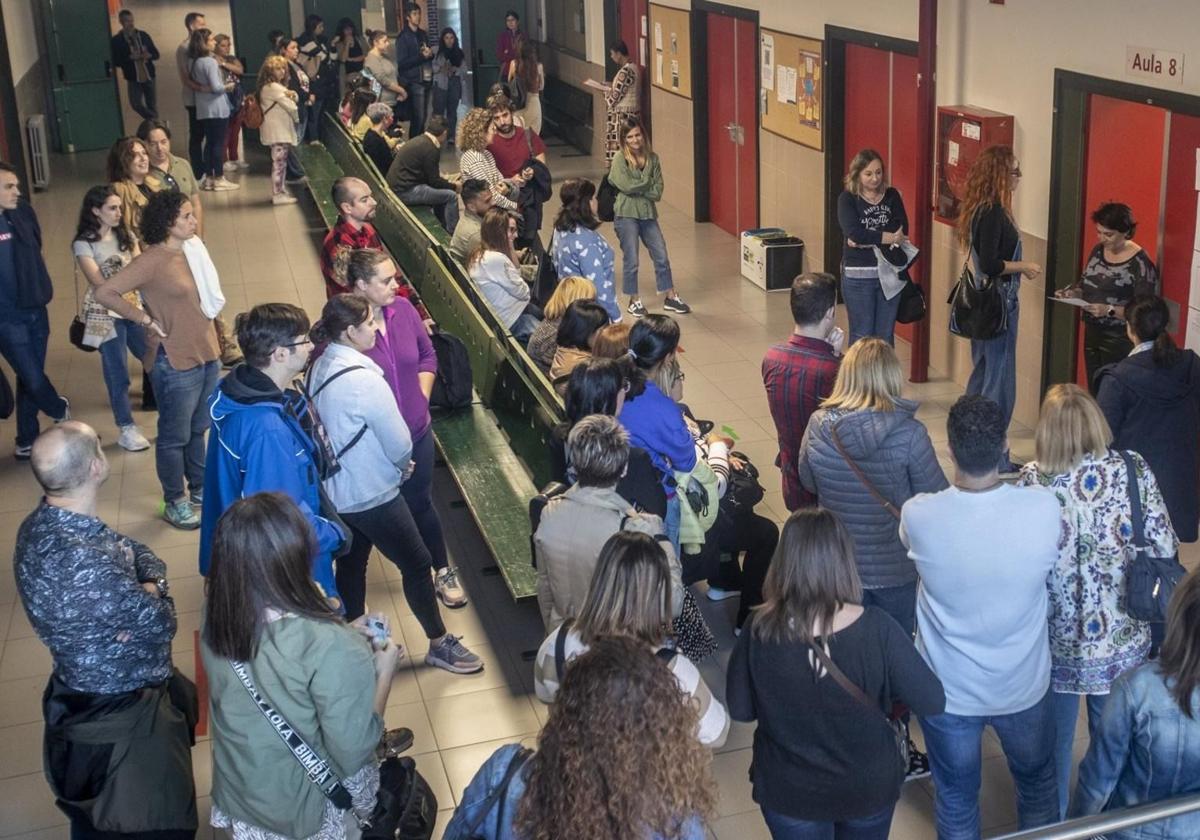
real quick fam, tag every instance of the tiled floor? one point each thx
(270, 254)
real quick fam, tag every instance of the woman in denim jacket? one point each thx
(1147, 748)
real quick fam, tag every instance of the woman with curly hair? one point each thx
(127, 168)
(617, 759)
(182, 353)
(475, 132)
(986, 227)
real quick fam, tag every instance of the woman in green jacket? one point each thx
(325, 679)
(636, 173)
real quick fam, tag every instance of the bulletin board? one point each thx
(793, 86)
(670, 56)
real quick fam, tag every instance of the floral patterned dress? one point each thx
(1092, 639)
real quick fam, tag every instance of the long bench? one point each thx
(485, 445)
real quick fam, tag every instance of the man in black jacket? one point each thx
(24, 325)
(415, 175)
(134, 52)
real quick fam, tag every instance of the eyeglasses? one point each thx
(300, 343)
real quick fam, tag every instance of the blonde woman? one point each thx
(542, 343)
(636, 173)
(864, 453)
(475, 132)
(1092, 639)
(280, 115)
(629, 595)
(871, 215)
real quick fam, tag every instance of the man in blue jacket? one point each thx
(24, 325)
(134, 52)
(262, 435)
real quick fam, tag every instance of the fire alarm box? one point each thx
(963, 131)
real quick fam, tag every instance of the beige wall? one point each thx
(574, 71)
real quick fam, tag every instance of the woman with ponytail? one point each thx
(374, 453)
(1151, 400)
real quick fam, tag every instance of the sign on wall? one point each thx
(1153, 66)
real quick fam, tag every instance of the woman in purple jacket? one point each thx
(405, 353)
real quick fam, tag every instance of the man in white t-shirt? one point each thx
(983, 550)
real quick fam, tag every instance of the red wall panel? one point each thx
(902, 168)
(866, 101)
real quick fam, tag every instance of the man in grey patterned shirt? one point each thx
(99, 601)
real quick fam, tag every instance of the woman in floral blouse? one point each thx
(1092, 639)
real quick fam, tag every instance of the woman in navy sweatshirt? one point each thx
(871, 215)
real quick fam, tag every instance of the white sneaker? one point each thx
(449, 588)
(284, 198)
(223, 184)
(132, 439)
(242, 165)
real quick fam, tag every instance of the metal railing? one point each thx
(1085, 827)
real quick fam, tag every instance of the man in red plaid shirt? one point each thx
(799, 373)
(356, 207)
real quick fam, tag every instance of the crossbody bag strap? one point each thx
(842, 680)
(316, 768)
(313, 395)
(862, 476)
(1135, 501)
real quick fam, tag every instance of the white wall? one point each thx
(21, 36)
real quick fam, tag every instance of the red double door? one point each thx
(732, 123)
(880, 109)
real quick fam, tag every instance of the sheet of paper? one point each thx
(592, 83)
(675, 73)
(1070, 301)
(658, 67)
(658, 37)
(642, 51)
(1198, 169)
(1194, 292)
(1196, 241)
(780, 80)
(791, 77)
(768, 62)
(952, 153)
(645, 23)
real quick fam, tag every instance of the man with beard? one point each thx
(356, 208)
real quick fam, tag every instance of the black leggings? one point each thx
(390, 528)
(757, 536)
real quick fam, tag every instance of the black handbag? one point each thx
(743, 491)
(606, 200)
(912, 303)
(1149, 580)
(405, 807)
(978, 309)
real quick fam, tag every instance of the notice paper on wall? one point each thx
(1192, 336)
(1194, 289)
(768, 66)
(658, 67)
(658, 37)
(952, 153)
(785, 84)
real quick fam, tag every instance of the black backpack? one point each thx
(453, 385)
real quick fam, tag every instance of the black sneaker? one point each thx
(676, 305)
(918, 763)
(636, 308)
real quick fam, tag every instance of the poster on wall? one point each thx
(768, 62)
(810, 88)
(792, 69)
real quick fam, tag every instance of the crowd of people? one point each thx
(894, 597)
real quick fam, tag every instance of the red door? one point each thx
(881, 96)
(732, 123)
(632, 22)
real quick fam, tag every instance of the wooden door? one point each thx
(485, 22)
(732, 123)
(87, 107)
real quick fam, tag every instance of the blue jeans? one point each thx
(955, 757)
(900, 602)
(671, 520)
(443, 202)
(868, 311)
(445, 103)
(629, 231)
(23, 337)
(874, 827)
(995, 360)
(143, 98)
(213, 156)
(312, 126)
(1066, 710)
(130, 338)
(417, 95)
(182, 421)
(418, 494)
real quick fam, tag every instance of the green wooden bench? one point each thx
(495, 485)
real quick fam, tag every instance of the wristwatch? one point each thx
(164, 588)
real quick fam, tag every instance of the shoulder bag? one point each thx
(862, 476)
(912, 302)
(92, 324)
(895, 726)
(978, 309)
(1149, 580)
(405, 807)
(606, 200)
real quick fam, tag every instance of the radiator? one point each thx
(39, 151)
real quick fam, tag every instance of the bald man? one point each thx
(100, 602)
